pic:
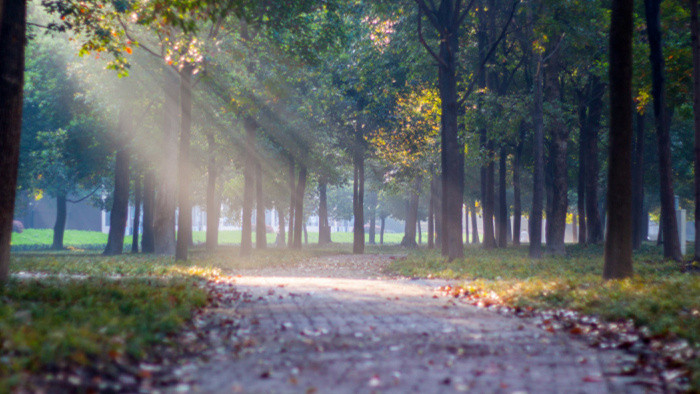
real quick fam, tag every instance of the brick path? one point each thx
(331, 325)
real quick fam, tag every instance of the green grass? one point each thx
(38, 239)
(659, 296)
(52, 322)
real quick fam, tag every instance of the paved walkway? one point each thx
(336, 325)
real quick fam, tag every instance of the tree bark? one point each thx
(120, 202)
(324, 230)
(475, 233)
(487, 206)
(381, 229)
(638, 184)
(213, 204)
(59, 226)
(581, 187)
(409, 238)
(538, 186)
(292, 201)
(299, 208)
(248, 187)
(281, 232)
(431, 214)
(695, 38)
(372, 217)
(451, 149)
(147, 241)
(668, 212)
(558, 151)
(12, 42)
(358, 194)
(260, 225)
(618, 242)
(517, 205)
(184, 222)
(164, 220)
(595, 110)
(138, 195)
(502, 203)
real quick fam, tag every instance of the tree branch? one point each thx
(422, 39)
(84, 198)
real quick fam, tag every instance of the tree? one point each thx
(661, 115)
(695, 34)
(12, 41)
(618, 244)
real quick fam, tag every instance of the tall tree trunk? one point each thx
(538, 186)
(437, 208)
(668, 213)
(638, 184)
(164, 219)
(465, 209)
(147, 241)
(420, 233)
(12, 42)
(488, 201)
(213, 204)
(695, 38)
(581, 187)
(358, 194)
(372, 217)
(475, 233)
(292, 201)
(299, 208)
(260, 225)
(120, 202)
(451, 149)
(138, 195)
(559, 145)
(281, 232)
(409, 237)
(517, 205)
(381, 229)
(431, 215)
(618, 242)
(324, 230)
(59, 226)
(248, 187)
(184, 221)
(502, 203)
(595, 110)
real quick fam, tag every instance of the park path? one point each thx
(337, 325)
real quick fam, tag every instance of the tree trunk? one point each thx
(452, 152)
(618, 242)
(431, 215)
(147, 241)
(372, 217)
(324, 230)
(12, 42)
(306, 235)
(420, 233)
(164, 220)
(538, 186)
(558, 151)
(638, 184)
(466, 223)
(138, 195)
(59, 226)
(292, 201)
(409, 238)
(475, 233)
(281, 232)
(502, 203)
(595, 110)
(358, 194)
(184, 220)
(581, 187)
(120, 202)
(260, 224)
(695, 38)
(487, 201)
(517, 205)
(437, 209)
(668, 213)
(248, 187)
(213, 204)
(381, 230)
(299, 209)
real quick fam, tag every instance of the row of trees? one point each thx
(425, 99)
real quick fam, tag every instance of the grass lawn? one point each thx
(37, 239)
(659, 296)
